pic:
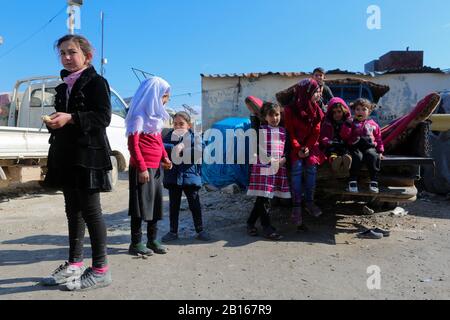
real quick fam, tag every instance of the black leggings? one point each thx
(372, 160)
(261, 210)
(136, 230)
(192, 195)
(83, 208)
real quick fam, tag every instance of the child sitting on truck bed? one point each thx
(363, 137)
(331, 141)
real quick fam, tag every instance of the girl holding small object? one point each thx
(79, 161)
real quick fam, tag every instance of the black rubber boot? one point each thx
(152, 243)
(139, 249)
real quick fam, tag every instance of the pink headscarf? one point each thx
(331, 104)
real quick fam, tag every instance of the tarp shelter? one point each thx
(221, 174)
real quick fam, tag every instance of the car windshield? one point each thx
(118, 107)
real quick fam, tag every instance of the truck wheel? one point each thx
(114, 172)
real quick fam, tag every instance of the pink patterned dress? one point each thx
(267, 179)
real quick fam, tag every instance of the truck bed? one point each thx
(23, 143)
(397, 180)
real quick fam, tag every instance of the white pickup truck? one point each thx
(24, 139)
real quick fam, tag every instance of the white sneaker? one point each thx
(63, 274)
(373, 187)
(353, 187)
(90, 280)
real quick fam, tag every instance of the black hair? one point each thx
(269, 108)
(184, 115)
(364, 103)
(319, 69)
(82, 42)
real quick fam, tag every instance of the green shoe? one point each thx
(139, 249)
(156, 247)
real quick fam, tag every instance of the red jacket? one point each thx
(303, 133)
(146, 151)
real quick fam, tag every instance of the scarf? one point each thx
(303, 105)
(72, 78)
(146, 113)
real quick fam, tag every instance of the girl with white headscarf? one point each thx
(144, 124)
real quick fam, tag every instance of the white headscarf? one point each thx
(146, 113)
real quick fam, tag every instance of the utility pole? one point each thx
(74, 12)
(104, 60)
(1, 40)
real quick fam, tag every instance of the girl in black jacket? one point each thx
(79, 161)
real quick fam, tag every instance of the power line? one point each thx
(33, 34)
(146, 74)
(186, 94)
(205, 91)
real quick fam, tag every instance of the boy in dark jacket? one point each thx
(326, 93)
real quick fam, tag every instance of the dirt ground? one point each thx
(327, 262)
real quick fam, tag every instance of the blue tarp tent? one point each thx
(221, 174)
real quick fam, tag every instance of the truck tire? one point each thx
(114, 173)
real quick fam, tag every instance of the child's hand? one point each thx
(381, 156)
(275, 164)
(59, 120)
(179, 148)
(167, 164)
(304, 153)
(144, 177)
(46, 119)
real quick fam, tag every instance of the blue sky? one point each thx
(179, 40)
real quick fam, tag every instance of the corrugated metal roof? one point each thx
(330, 72)
(339, 71)
(255, 74)
(424, 69)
